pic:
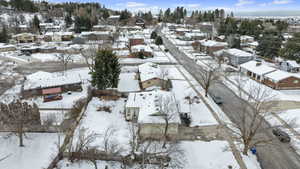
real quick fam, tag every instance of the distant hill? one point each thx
(269, 13)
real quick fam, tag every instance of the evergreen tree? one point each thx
(158, 40)
(105, 14)
(291, 49)
(82, 23)
(153, 35)
(269, 45)
(281, 25)
(106, 70)
(3, 35)
(36, 24)
(68, 20)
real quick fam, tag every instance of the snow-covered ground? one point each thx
(197, 155)
(200, 114)
(248, 84)
(45, 57)
(39, 150)
(100, 121)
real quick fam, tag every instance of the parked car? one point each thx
(218, 100)
(281, 135)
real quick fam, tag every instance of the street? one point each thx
(273, 156)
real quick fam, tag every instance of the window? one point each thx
(296, 81)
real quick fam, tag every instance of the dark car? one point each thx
(281, 135)
(218, 100)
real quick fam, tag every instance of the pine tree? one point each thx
(269, 45)
(153, 35)
(106, 71)
(36, 23)
(3, 35)
(68, 20)
(158, 40)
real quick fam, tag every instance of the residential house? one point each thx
(58, 36)
(35, 83)
(151, 76)
(293, 29)
(181, 31)
(96, 36)
(195, 35)
(151, 110)
(211, 46)
(282, 80)
(140, 22)
(113, 19)
(104, 28)
(290, 66)
(136, 40)
(25, 38)
(256, 70)
(246, 39)
(145, 49)
(49, 27)
(7, 48)
(237, 56)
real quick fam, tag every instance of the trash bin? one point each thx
(253, 150)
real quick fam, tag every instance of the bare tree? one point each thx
(152, 151)
(89, 56)
(84, 145)
(64, 59)
(17, 115)
(250, 125)
(209, 77)
(168, 112)
(164, 74)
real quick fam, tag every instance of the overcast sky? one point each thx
(229, 5)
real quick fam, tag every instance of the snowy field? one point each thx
(39, 150)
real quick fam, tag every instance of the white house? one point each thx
(290, 66)
(237, 56)
(151, 76)
(256, 70)
(151, 110)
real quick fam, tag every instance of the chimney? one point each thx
(258, 63)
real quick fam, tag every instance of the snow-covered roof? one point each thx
(95, 33)
(259, 69)
(152, 104)
(255, 43)
(3, 45)
(59, 33)
(114, 17)
(138, 48)
(128, 83)
(238, 53)
(182, 30)
(293, 63)
(211, 43)
(149, 71)
(195, 34)
(42, 79)
(280, 75)
(246, 37)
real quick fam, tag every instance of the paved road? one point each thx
(274, 156)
